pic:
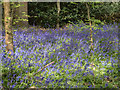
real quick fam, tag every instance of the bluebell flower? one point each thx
(26, 71)
(107, 71)
(106, 85)
(18, 78)
(86, 66)
(13, 86)
(60, 80)
(30, 64)
(67, 72)
(21, 81)
(90, 86)
(14, 75)
(42, 78)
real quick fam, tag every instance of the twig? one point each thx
(43, 68)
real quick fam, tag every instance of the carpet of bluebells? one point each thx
(75, 64)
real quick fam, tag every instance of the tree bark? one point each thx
(0, 16)
(91, 32)
(58, 14)
(20, 13)
(8, 29)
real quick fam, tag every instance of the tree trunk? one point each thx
(8, 30)
(91, 37)
(58, 14)
(20, 13)
(1, 16)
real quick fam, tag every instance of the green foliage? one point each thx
(46, 13)
(14, 21)
(97, 62)
(106, 11)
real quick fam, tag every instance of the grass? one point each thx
(74, 64)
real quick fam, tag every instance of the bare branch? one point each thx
(43, 68)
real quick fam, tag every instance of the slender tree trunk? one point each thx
(91, 32)
(58, 14)
(91, 37)
(8, 30)
(0, 16)
(23, 11)
(20, 13)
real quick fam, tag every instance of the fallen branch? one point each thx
(43, 68)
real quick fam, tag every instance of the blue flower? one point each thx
(90, 86)
(67, 72)
(42, 78)
(106, 85)
(13, 86)
(60, 80)
(18, 78)
(86, 66)
(21, 81)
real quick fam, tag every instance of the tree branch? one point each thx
(43, 68)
